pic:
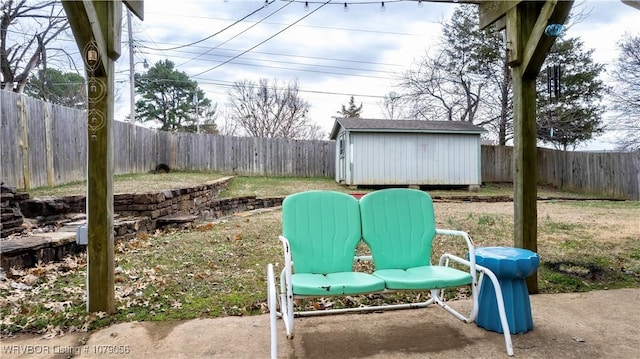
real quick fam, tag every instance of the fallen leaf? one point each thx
(20, 286)
(15, 273)
(29, 279)
(176, 304)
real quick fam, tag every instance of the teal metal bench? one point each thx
(321, 229)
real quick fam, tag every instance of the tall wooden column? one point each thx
(528, 47)
(519, 24)
(100, 250)
(96, 27)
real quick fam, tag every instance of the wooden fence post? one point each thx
(24, 142)
(47, 140)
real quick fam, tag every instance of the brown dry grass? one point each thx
(217, 269)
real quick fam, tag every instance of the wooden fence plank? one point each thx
(24, 163)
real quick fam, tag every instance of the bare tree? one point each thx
(438, 93)
(314, 132)
(450, 83)
(227, 126)
(26, 29)
(267, 109)
(392, 106)
(626, 92)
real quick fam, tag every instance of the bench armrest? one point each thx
(465, 235)
(470, 246)
(288, 263)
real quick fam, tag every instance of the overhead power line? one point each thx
(238, 34)
(310, 65)
(302, 69)
(290, 55)
(219, 32)
(229, 84)
(267, 39)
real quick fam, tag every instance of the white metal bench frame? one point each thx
(281, 305)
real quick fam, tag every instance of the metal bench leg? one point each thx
(501, 311)
(272, 298)
(286, 303)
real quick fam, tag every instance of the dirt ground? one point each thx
(598, 324)
(604, 222)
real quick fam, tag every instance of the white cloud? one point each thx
(373, 43)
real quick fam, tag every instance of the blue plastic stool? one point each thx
(511, 266)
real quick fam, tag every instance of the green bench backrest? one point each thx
(323, 229)
(398, 225)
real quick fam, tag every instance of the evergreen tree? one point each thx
(570, 96)
(168, 98)
(352, 111)
(468, 79)
(54, 86)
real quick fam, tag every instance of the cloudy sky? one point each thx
(331, 51)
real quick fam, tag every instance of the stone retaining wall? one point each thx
(136, 213)
(187, 200)
(24, 252)
(226, 206)
(11, 219)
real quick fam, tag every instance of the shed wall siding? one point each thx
(422, 159)
(341, 156)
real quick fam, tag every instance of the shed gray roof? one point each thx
(372, 125)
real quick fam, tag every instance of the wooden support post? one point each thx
(96, 28)
(520, 21)
(526, 24)
(525, 176)
(100, 250)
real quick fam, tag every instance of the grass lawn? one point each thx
(258, 186)
(218, 268)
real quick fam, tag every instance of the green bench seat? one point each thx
(423, 278)
(341, 283)
(320, 233)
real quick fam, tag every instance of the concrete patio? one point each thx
(599, 324)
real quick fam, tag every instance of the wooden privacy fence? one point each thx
(41, 144)
(611, 174)
(46, 145)
(247, 155)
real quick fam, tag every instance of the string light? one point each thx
(345, 5)
(349, 3)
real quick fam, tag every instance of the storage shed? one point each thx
(406, 152)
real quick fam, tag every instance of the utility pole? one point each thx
(195, 102)
(132, 89)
